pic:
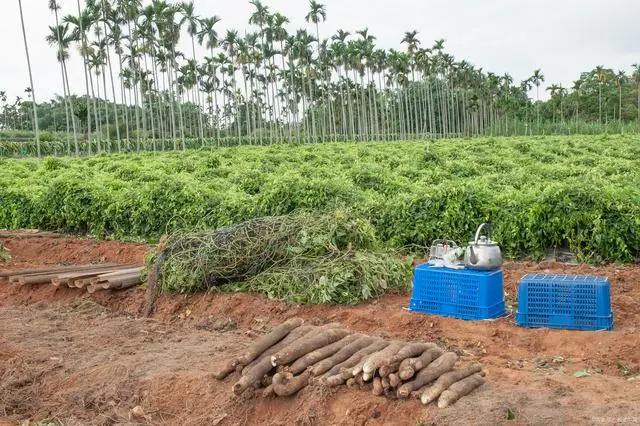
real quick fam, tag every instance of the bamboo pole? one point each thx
(59, 269)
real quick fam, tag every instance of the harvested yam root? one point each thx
(407, 351)
(286, 384)
(365, 386)
(342, 355)
(460, 389)
(386, 370)
(346, 367)
(434, 370)
(446, 380)
(268, 391)
(418, 393)
(385, 383)
(293, 356)
(334, 381)
(319, 354)
(377, 386)
(253, 376)
(261, 345)
(409, 366)
(394, 380)
(292, 337)
(303, 346)
(374, 361)
(411, 350)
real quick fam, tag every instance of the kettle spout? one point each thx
(472, 256)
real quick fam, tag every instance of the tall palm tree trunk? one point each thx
(33, 94)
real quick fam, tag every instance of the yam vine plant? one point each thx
(301, 258)
(575, 192)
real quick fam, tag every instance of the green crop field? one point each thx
(580, 192)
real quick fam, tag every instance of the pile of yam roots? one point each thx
(294, 355)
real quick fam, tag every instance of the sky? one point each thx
(562, 37)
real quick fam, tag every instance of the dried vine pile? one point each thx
(299, 258)
(294, 355)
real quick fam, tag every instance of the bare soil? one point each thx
(79, 359)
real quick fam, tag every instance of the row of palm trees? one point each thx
(268, 84)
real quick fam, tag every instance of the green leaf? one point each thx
(624, 370)
(581, 373)
(511, 415)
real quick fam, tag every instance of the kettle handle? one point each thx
(478, 233)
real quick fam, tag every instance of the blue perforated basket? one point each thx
(458, 293)
(571, 302)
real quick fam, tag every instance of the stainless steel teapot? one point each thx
(482, 254)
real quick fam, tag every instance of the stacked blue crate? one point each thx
(458, 293)
(564, 301)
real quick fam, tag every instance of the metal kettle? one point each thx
(482, 254)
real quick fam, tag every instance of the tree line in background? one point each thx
(271, 85)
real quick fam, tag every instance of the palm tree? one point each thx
(80, 24)
(537, 78)
(278, 34)
(230, 44)
(317, 13)
(261, 17)
(60, 35)
(193, 25)
(621, 79)
(33, 95)
(109, 15)
(601, 77)
(411, 40)
(208, 31)
(636, 78)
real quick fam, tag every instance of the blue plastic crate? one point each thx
(458, 293)
(573, 302)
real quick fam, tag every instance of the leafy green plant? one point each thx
(579, 193)
(5, 256)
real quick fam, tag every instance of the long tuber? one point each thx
(446, 380)
(377, 386)
(321, 353)
(333, 381)
(411, 350)
(410, 366)
(296, 334)
(342, 355)
(259, 346)
(460, 389)
(286, 384)
(394, 380)
(354, 359)
(265, 342)
(375, 360)
(418, 393)
(254, 376)
(268, 391)
(305, 345)
(434, 370)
